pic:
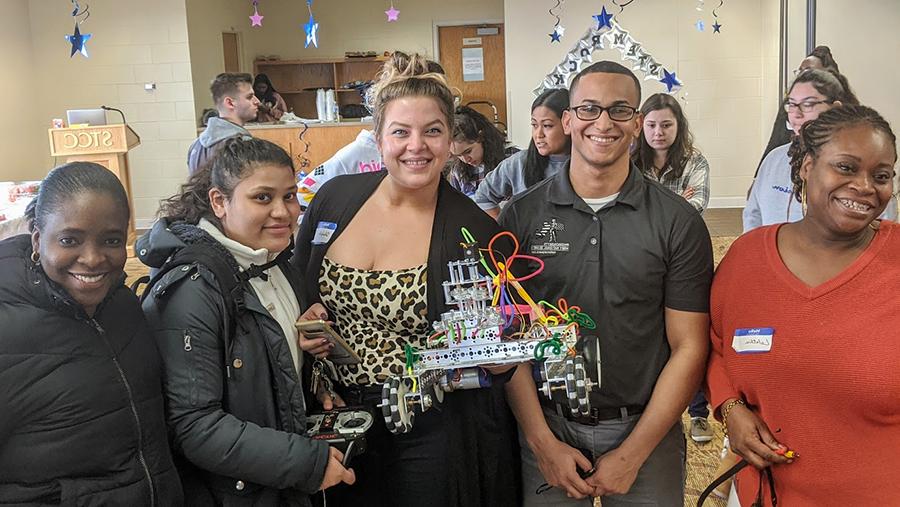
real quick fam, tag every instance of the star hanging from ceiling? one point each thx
(700, 25)
(603, 19)
(78, 41)
(392, 14)
(312, 32)
(256, 19)
(669, 80)
(717, 27)
(554, 36)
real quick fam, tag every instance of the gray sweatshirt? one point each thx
(771, 200)
(508, 179)
(217, 130)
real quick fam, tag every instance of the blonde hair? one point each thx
(408, 76)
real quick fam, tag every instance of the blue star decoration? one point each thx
(78, 40)
(603, 19)
(312, 32)
(700, 25)
(669, 80)
(716, 27)
(554, 36)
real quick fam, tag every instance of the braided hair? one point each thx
(817, 133)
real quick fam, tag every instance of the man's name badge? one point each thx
(752, 340)
(324, 231)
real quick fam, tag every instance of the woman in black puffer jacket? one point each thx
(235, 401)
(81, 407)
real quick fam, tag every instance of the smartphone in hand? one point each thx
(341, 353)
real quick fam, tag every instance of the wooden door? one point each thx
(231, 52)
(453, 41)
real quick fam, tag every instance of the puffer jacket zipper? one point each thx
(134, 413)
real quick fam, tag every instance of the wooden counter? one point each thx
(324, 139)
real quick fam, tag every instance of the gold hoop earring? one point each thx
(35, 257)
(803, 206)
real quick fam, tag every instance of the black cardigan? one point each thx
(488, 474)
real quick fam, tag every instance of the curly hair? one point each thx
(470, 126)
(817, 133)
(682, 149)
(234, 161)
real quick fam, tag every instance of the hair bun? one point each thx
(398, 67)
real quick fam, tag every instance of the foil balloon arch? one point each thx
(608, 34)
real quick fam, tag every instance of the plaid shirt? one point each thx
(695, 175)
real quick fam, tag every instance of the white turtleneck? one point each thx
(276, 293)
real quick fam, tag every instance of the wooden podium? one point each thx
(107, 145)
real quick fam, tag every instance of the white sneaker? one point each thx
(700, 430)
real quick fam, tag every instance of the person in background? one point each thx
(820, 58)
(271, 104)
(638, 260)
(82, 406)
(666, 154)
(811, 94)
(362, 155)
(374, 248)
(236, 104)
(547, 153)
(804, 342)
(235, 399)
(478, 147)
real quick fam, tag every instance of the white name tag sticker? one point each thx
(324, 231)
(753, 340)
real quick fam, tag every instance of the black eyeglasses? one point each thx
(806, 107)
(590, 112)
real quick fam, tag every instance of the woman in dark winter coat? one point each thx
(81, 407)
(235, 403)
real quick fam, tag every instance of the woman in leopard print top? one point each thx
(374, 249)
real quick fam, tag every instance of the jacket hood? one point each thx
(157, 245)
(218, 130)
(14, 270)
(167, 238)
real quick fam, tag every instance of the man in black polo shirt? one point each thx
(636, 258)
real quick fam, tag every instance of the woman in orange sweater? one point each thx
(804, 346)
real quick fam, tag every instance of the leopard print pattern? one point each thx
(377, 313)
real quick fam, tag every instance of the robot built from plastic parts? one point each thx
(487, 326)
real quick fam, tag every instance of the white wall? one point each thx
(863, 39)
(133, 42)
(21, 130)
(344, 25)
(723, 74)
(206, 20)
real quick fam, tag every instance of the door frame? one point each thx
(239, 40)
(436, 41)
